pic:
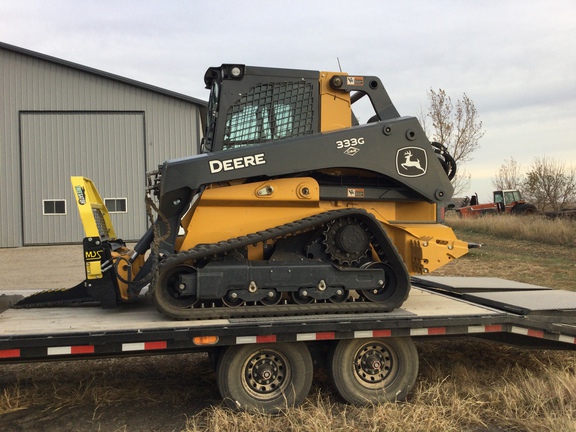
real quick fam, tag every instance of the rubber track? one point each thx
(312, 222)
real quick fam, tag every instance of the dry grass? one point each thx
(463, 384)
(147, 393)
(535, 228)
(524, 249)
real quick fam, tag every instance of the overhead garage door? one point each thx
(107, 147)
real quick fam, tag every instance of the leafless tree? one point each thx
(549, 184)
(509, 176)
(457, 127)
(461, 181)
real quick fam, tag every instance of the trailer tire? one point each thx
(367, 371)
(264, 377)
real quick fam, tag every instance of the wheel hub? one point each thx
(373, 364)
(265, 373)
(346, 242)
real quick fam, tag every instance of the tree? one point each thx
(461, 181)
(550, 184)
(509, 176)
(457, 127)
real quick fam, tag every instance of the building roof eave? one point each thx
(104, 74)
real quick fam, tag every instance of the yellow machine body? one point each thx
(235, 210)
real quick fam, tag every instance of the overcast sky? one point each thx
(515, 59)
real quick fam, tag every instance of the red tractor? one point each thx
(505, 201)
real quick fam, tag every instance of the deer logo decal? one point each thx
(411, 162)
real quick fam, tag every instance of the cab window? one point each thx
(270, 112)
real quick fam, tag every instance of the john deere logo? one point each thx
(411, 162)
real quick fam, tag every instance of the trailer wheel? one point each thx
(264, 377)
(368, 371)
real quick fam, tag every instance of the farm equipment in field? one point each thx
(292, 205)
(504, 202)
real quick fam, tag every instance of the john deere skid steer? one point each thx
(292, 206)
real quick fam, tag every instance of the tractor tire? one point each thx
(524, 209)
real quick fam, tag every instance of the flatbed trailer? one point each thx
(262, 363)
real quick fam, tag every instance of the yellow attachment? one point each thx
(335, 107)
(93, 213)
(98, 225)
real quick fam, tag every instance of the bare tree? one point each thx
(550, 185)
(457, 127)
(509, 176)
(461, 181)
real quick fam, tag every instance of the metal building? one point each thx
(59, 119)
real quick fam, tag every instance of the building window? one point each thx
(54, 207)
(116, 205)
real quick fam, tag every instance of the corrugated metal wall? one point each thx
(57, 121)
(50, 155)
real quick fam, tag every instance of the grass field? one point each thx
(463, 384)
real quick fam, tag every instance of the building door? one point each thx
(107, 147)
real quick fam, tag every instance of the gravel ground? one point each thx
(41, 267)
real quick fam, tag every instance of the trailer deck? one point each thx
(521, 314)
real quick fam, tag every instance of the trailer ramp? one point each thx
(533, 301)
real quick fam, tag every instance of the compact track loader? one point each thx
(292, 206)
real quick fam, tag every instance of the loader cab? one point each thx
(252, 105)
